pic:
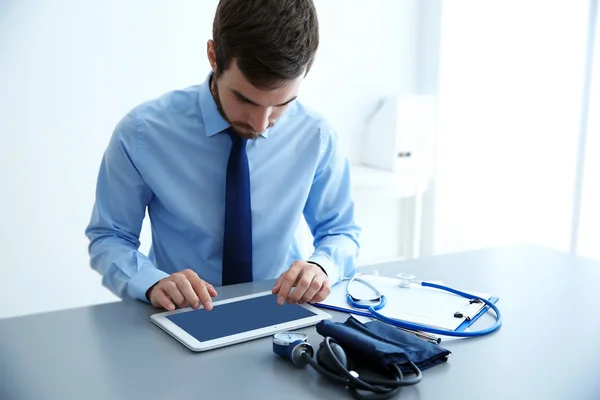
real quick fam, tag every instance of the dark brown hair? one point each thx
(273, 41)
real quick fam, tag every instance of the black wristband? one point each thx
(149, 290)
(312, 262)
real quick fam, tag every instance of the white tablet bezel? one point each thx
(161, 320)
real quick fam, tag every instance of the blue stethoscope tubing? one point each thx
(373, 310)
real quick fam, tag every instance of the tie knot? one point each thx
(236, 139)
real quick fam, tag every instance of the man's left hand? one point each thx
(309, 280)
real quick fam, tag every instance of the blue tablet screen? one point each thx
(237, 317)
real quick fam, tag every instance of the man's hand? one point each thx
(310, 282)
(182, 288)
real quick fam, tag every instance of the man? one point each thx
(226, 170)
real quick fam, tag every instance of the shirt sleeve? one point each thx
(329, 212)
(117, 216)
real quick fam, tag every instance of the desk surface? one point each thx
(547, 348)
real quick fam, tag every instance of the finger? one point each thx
(322, 294)
(197, 282)
(198, 285)
(201, 289)
(304, 283)
(159, 297)
(211, 290)
(313, 289)
(289, 280)
(190, 274)
(205, 298)
(295, 269)
(275, 289)
(173, 292)
(186, 289)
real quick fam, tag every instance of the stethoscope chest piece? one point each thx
(406, 279)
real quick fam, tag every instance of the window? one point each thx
(510, 90)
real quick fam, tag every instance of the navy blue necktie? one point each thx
(237, 238)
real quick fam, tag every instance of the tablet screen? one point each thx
(237, 317)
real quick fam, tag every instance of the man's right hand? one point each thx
(183, 289)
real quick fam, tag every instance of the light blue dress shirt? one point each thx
(169, 156)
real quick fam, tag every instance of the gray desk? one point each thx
(547, 348)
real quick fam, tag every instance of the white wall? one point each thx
(70, 69)
(427, 77)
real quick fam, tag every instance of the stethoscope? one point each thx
(373, 305)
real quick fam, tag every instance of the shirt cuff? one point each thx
(141, 282)
(328, 265)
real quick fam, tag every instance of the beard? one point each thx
(243, 130)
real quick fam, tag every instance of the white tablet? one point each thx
(236, 320)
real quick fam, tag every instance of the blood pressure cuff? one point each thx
(378, 345)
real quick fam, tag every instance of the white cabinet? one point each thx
(389, 209)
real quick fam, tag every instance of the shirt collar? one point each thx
(213, 120)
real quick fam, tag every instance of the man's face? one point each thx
(250, 111)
